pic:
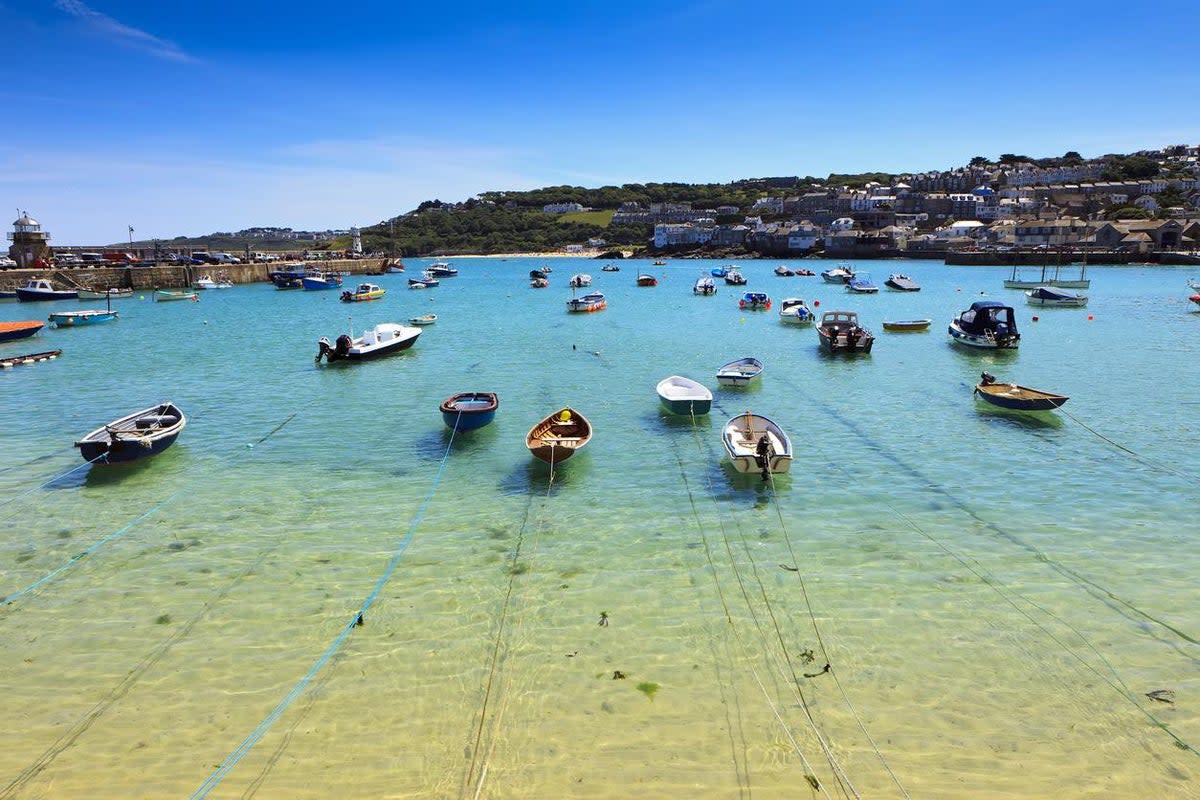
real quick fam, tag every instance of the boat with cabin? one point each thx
(755, 443)
(440, 269)
(135, 436)
(794, 311)
(467, 411)
(704, 286)
(318, 280)
(559, 436)
(384, 338)
(783, 272)
(681, 395)
(838, 274)
(580, 280)
(987, 324)
(840, 332)
(734, 277)
(363, 293)
(208, 282)
(37, 289)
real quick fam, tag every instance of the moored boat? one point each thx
(704, 285)
(900, 325)
(592, 301)
(29, 358)
(734, 277)
(838, 274)
(559, 436)
(987, 324)
(861, 283)
(902, 283)
(289, 276)
(681, 395)
(362, 293)
(138, 435)
(423, 319)
(316, 281)
(115, 293)
(783, 272)
(756, 444)
(755, 301)
(208, 282)
(610, 268)
(1050, 296)
(67, 319)
(441, 269)
(719, 272)
(539, 283)
(11, 331)
(839, 332)
(741, 372)
(467, 411)
(580, 280)
(35, 289)
(1016, 398)
(794, 311)
(647, 280)
(167, 295)
(384, 338)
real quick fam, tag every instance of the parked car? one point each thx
(203, 257)
(67, 260)
(92, 259)
(224, 258)
(7, 263)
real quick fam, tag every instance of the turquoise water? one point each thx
(995, 594)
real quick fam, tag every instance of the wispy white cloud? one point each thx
(120, 32)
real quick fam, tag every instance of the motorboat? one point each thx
(681, 395)
(67, 319)
(580, 280)
(539, 283)
(741, 372)
(610, 268)
(755, 301)
(861, 283)
(1050, 296)
(901, 283)
(987, 324)
(35, 289)
(704, 285)
(1016, 398)
(467, 411)
(316, 281)
(838, 274)
(208, 282)
(784, 272)
(840, 332)
(135, 436)
(719, 272)
(756, 444)
(592, 301)
(441, 269)
(384, 338)
(559, 436)
(647, 280)
(362, 293)
(734, 277)
(794, 311)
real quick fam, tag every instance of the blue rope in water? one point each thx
(356, 619)
(44, 484)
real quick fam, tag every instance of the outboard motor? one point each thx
(342, 345)
(323, 348)
(987, 378)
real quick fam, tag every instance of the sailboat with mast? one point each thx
(1049, 278)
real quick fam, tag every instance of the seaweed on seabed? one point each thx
(648, 688)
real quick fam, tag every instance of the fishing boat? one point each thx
(384, 338)
(839, 332)
(11, 331)
(902, 325)
(794, 311)
(208, 282)
(8, 362)
(115, 293)
(362, 293)
(580, 280)
(987, 324)
(67, 319)
(135, 436)
(756, 444)
(610, 268)
(167, 295)
(35, 289)
(901, 283)
(741, 372)
(441, 269)
(467, 411)
(289, 276)
(783, 271)
(704, 286)
(429, 279)
(838, 274)
(592, 301)
(423, 319)
(755, 301)
(316, 280)
(659, 263)
(681, 395)
(1014, 397)
(647, 280)
(559, 436)
(1050, 296)
(734, 277)
(861, 283)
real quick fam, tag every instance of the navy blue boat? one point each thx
(469, 410)
(139, 435)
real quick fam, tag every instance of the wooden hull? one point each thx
(469, 410)
(741, 437)
(67, 319)
(29, 358)
(11, 331)
(901, 325)
(133, 437)
(555, 439)
(1018, 398)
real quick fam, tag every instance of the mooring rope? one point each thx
(1139, 457)
(356, 619)
(49, 482)
(9, 599)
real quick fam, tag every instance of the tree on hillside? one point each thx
(979, 161)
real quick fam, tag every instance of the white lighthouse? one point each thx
(29, 242)
(356, 241)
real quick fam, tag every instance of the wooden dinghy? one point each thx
(1016, 398)
(559, 436)
(31, 358)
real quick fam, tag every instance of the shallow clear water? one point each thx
(995, 593)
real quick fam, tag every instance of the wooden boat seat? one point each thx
(155, 421)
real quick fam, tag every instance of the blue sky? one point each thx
(188, 118)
